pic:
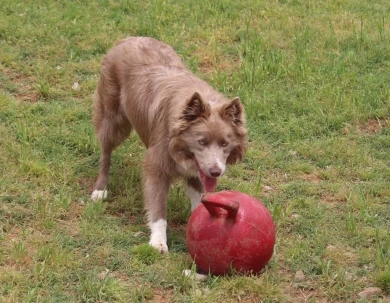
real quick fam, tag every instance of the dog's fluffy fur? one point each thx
(189, 129)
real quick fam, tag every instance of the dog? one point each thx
(189, 129)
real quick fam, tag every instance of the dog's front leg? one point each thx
(156, 186)
(195, 190)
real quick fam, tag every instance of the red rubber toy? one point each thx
(230, 230)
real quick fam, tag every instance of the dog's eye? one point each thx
(224, 143)
(202, 142)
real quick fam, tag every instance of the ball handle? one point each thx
(215, 204)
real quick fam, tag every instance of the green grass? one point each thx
(314, 78)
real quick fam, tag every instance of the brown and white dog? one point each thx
(189, 129)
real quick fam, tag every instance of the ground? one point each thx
(314, 79)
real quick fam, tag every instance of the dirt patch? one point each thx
(373, 126)
(29, 97)
(86, 184)
(311, 178)
(344, 256)
(19, 85)
(161, 295)
(70, 220)
(21, 250)
(14, 234)
(332, 199)
(208, 63)
(301, 295)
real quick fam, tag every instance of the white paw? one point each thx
(158, 238)
(198, 277)
(160, 245)
(99, 194)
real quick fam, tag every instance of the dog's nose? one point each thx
(215, 172)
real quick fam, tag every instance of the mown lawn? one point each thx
(315, 80)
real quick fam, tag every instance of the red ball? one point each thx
(230, 230)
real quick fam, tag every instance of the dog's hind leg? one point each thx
(110, 136)
(112, 128)
(195, 190)
(156, 187)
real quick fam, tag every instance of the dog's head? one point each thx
(208, 137)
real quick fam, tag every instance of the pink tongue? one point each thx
(209, 183)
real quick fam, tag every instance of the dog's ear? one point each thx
(237, 154)
(195, 108)
(234, 112)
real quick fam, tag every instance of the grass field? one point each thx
(315, 80)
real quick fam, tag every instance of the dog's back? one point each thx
(139, 52)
